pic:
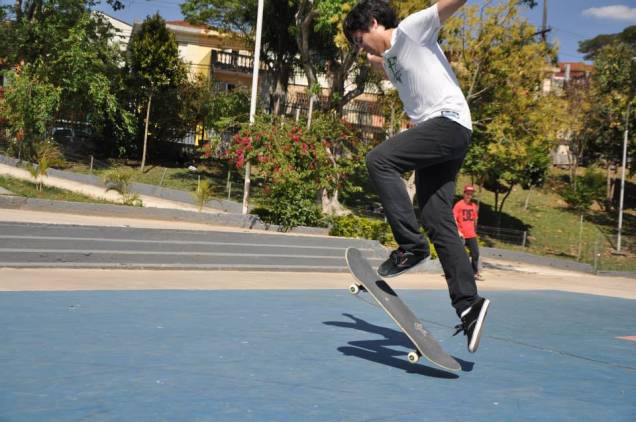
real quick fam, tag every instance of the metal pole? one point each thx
(311, 111)
(622, 197)
(257, 60)
(596, 254)
(525, 238)
(163, 175)
(578, 255)
(544, 26)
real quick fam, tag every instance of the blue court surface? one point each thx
(308, 356)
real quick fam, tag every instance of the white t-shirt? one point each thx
(420, 72)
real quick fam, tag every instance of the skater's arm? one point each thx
(377, 63)
(446, 8)
(423, 26)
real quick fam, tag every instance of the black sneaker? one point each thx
(399, 262)
(473, 323)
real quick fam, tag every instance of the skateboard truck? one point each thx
(354, 289)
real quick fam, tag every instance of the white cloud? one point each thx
(615, 12)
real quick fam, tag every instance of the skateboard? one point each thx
(369, 281)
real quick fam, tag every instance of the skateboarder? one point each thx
(466, 213)
(408, 54)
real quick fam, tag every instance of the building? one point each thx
(216, 55)
(567, 73)
(121, 30)
(225, 58)
(563, 76)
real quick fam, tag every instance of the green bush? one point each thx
(203, 193)
(290, 204)
(367, 228)
(119, 180)
(586, 189)
(360, 227)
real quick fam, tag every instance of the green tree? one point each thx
(592, 46)
(279, 47)
(157, 72)
(221, 111)
(501, 68)
(587, 189)
(87, 70)
(613, 90)
(72, 49)
(29, 105)
(309, 30)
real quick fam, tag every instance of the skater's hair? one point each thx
(361, 17)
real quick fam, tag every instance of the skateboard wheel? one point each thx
(354, 289)
(414, 356)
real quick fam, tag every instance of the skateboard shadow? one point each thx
(383, 352)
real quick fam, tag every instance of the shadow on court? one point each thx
(383, 351)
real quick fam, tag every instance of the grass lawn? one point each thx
(29, 190)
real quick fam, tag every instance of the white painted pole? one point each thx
(620, 204)
(257, 60)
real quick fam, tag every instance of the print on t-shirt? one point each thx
(467, 214)
(393, 67)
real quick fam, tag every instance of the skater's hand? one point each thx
(377, 62)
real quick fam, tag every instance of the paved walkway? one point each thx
(97, 192)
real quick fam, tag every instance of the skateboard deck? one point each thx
(386, 297)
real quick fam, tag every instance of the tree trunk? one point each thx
(610, 184)
(503, 200)
(525, 205)
(143, 155)
(18, 10)
(496, 199)
(280, 87)
(332, 206)
(573, 165)
(304, 22)
(340, 74)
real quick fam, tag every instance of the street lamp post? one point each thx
(622, 197)
(257, 58)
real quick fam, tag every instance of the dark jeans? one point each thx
(473, 249)
(435, 149)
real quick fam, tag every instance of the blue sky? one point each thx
(572, 20)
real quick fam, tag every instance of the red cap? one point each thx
(469, 188)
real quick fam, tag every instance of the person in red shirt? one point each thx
(466, 213)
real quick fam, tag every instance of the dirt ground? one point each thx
(513, 277)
